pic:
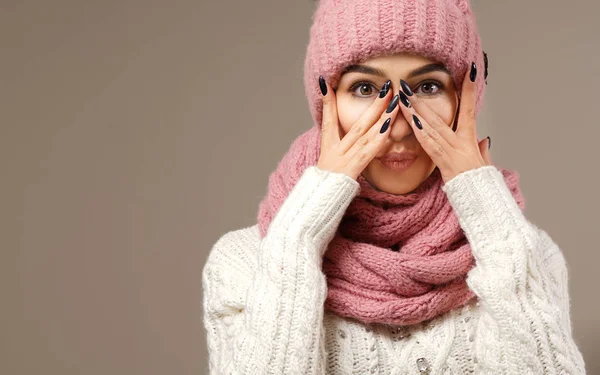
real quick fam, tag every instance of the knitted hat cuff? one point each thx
(347, 32)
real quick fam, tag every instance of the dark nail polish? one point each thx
(404, 99)
(417, 122)
(406, 88)
(385, 88)
(473, 72)
(489, 142)
(322, 85)
(486, 64)
(392, 104)
(386, 125)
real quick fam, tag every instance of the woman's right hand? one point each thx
(360, 145)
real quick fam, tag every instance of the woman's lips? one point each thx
(398, 166)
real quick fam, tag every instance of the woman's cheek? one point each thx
(444, 109)
(349, 111)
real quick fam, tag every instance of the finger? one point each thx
(485, 150)
(434, 121)
(430, 139)
(467, 115)
(330, 125)
(366, 120)
(367, 146)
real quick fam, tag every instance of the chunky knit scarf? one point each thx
(395, 259)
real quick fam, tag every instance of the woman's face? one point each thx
(359, 87)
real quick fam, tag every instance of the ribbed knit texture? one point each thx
(263, 297)
(344, 32)
(396, 259)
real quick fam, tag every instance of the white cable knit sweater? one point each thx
(260, 320)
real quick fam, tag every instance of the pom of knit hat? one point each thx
(345, 32)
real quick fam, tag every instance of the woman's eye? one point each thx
(362, 89)
(429, 88)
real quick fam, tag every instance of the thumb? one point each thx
(485, 151)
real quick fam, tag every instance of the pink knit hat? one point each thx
(345, 32)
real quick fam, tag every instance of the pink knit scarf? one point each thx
(395, 259)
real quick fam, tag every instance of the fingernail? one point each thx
(322, 85)
(392, 104)
(384, 89)
(406, 88)
(417, 122)
(473, 72)
(489, 142)
(386, 125)
(404, 99)
(486, 63)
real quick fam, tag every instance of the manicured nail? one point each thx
(386, 125)
(486, 63)
(385, 88)
(489, 142)
(392, 104)
(404, 99)
(417, 122)
(473, 72)
(322, 85)
(406, 88)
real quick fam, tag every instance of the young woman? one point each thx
(388, 242)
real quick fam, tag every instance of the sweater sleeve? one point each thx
(264, 314)
(520, 278)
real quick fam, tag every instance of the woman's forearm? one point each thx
(279, 327)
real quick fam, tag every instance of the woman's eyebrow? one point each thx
(363, 69)
(433, 67)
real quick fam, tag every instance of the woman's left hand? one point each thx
(453, 152)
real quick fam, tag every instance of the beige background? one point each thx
(135, 133)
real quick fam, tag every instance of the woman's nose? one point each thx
(400, 128)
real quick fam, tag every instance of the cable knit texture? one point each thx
(338, 279)
(396, 259)
(263, 298)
